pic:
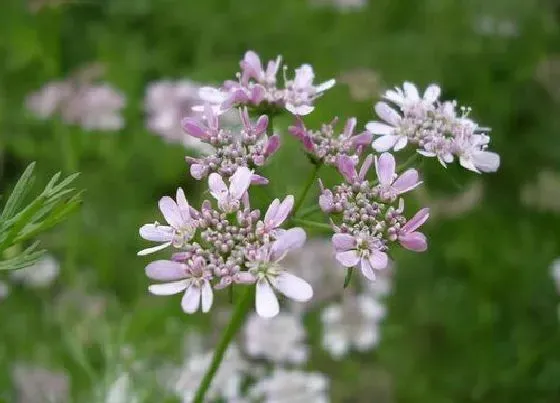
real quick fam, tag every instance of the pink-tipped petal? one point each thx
(343, 242)
(191, 300)
(168, 288)
(347, 168)
(349, 258)
(257, 94)
(271, 212)
(349, 127)
(407, 181)
(365, 167)
(261, 125)
(272, 145)
(266, 303)
(362, 139)
(165, 270)
(385, 168)
(293, 287)
(258, 180)
(194, 128)
(416, 222)
(414, 241)
(284, 210)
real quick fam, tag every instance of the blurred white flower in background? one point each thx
(166, 103)
(364, 84)
(4, 290)
(544, 193)
(353, 323)
(35, 384)
(488, 25)
(184, 381)
(341, 5)
(39, 275)
(315, 263)
(279, 339)
(120, 390)
(80, 100)
(285, 386)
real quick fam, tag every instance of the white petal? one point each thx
(183, 205)
(326, 85)
(300, 110)
(291, 239)
(380, 128)
(212, 95)
(207, 297)
(170, 211)
(217, 187)
(384, 143)
(172, 288)
(293, 287)
(411, 92)
(387, 113)
(266, 302)
(486, 161)
(239, 182)
(366, 269)
(432, 93)
(153, 249)
(191, 300)
(401, 143)
(272, 209)
(156, 233)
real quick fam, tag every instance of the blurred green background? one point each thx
(474, 319)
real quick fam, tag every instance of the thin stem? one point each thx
(235, 323)
(348, 277)
(408, 163)
(307, 187)
(312, 224)
(306, 212)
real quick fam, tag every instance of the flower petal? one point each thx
(432, 93)
(415, 222)
(348, 258)
(347, 167)
(414, 241)
(380, 128)
(284, 210)
(153, 249)
(388, 114)
(271, 212)
(486, 161)
(168, 288)
(266, 303)
(170, 211)
(366, 269)
(385, 168)
(207, 297)
(407, 181)
(411, 92)
(217, 187)
(183, 205)
(191, 300)
(343, 242)
(291, 239)
(239, 182)
(194, 128)
(384, 143)
(327, 85)
(166, 270)
(378, 260)
(401, 143)
(156, 233)
(293, 287)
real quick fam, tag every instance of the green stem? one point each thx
(408, 163)
(307, 187)
(312, 224)
(235, 323)
(306, 212)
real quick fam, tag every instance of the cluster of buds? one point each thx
(326, 147)
(217, 248)
(367, 216)
(257, 87)
(249, 147)
(434, 127)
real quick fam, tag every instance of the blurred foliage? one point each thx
(472, 320)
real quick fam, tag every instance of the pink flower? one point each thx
(408, 97)
(228, 197)
(361, 250)
(388, 131)
(300, 93)
(181, 228)
(391, 185)
(193, 279)
(265, 268)
(411, 239)
(347, 167)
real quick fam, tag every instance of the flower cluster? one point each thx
(434, 127)
(327, 147)
(216, 248)
(251, 146)
(370, 215)
(257, 86)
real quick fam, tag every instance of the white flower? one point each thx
(45, 102)
(471, 149)
(214, 97)
(229, 197)
(40, 385)
(408, 98)
(39, 275)
(284, 386)
(120, 391)
(390, 137)
(265, 267)
(300, 93)
(226, 384)
(181, 226)
(279, 339)
(98, 107)
(352, 324)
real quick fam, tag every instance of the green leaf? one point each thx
(28, 257)
(22, 188)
